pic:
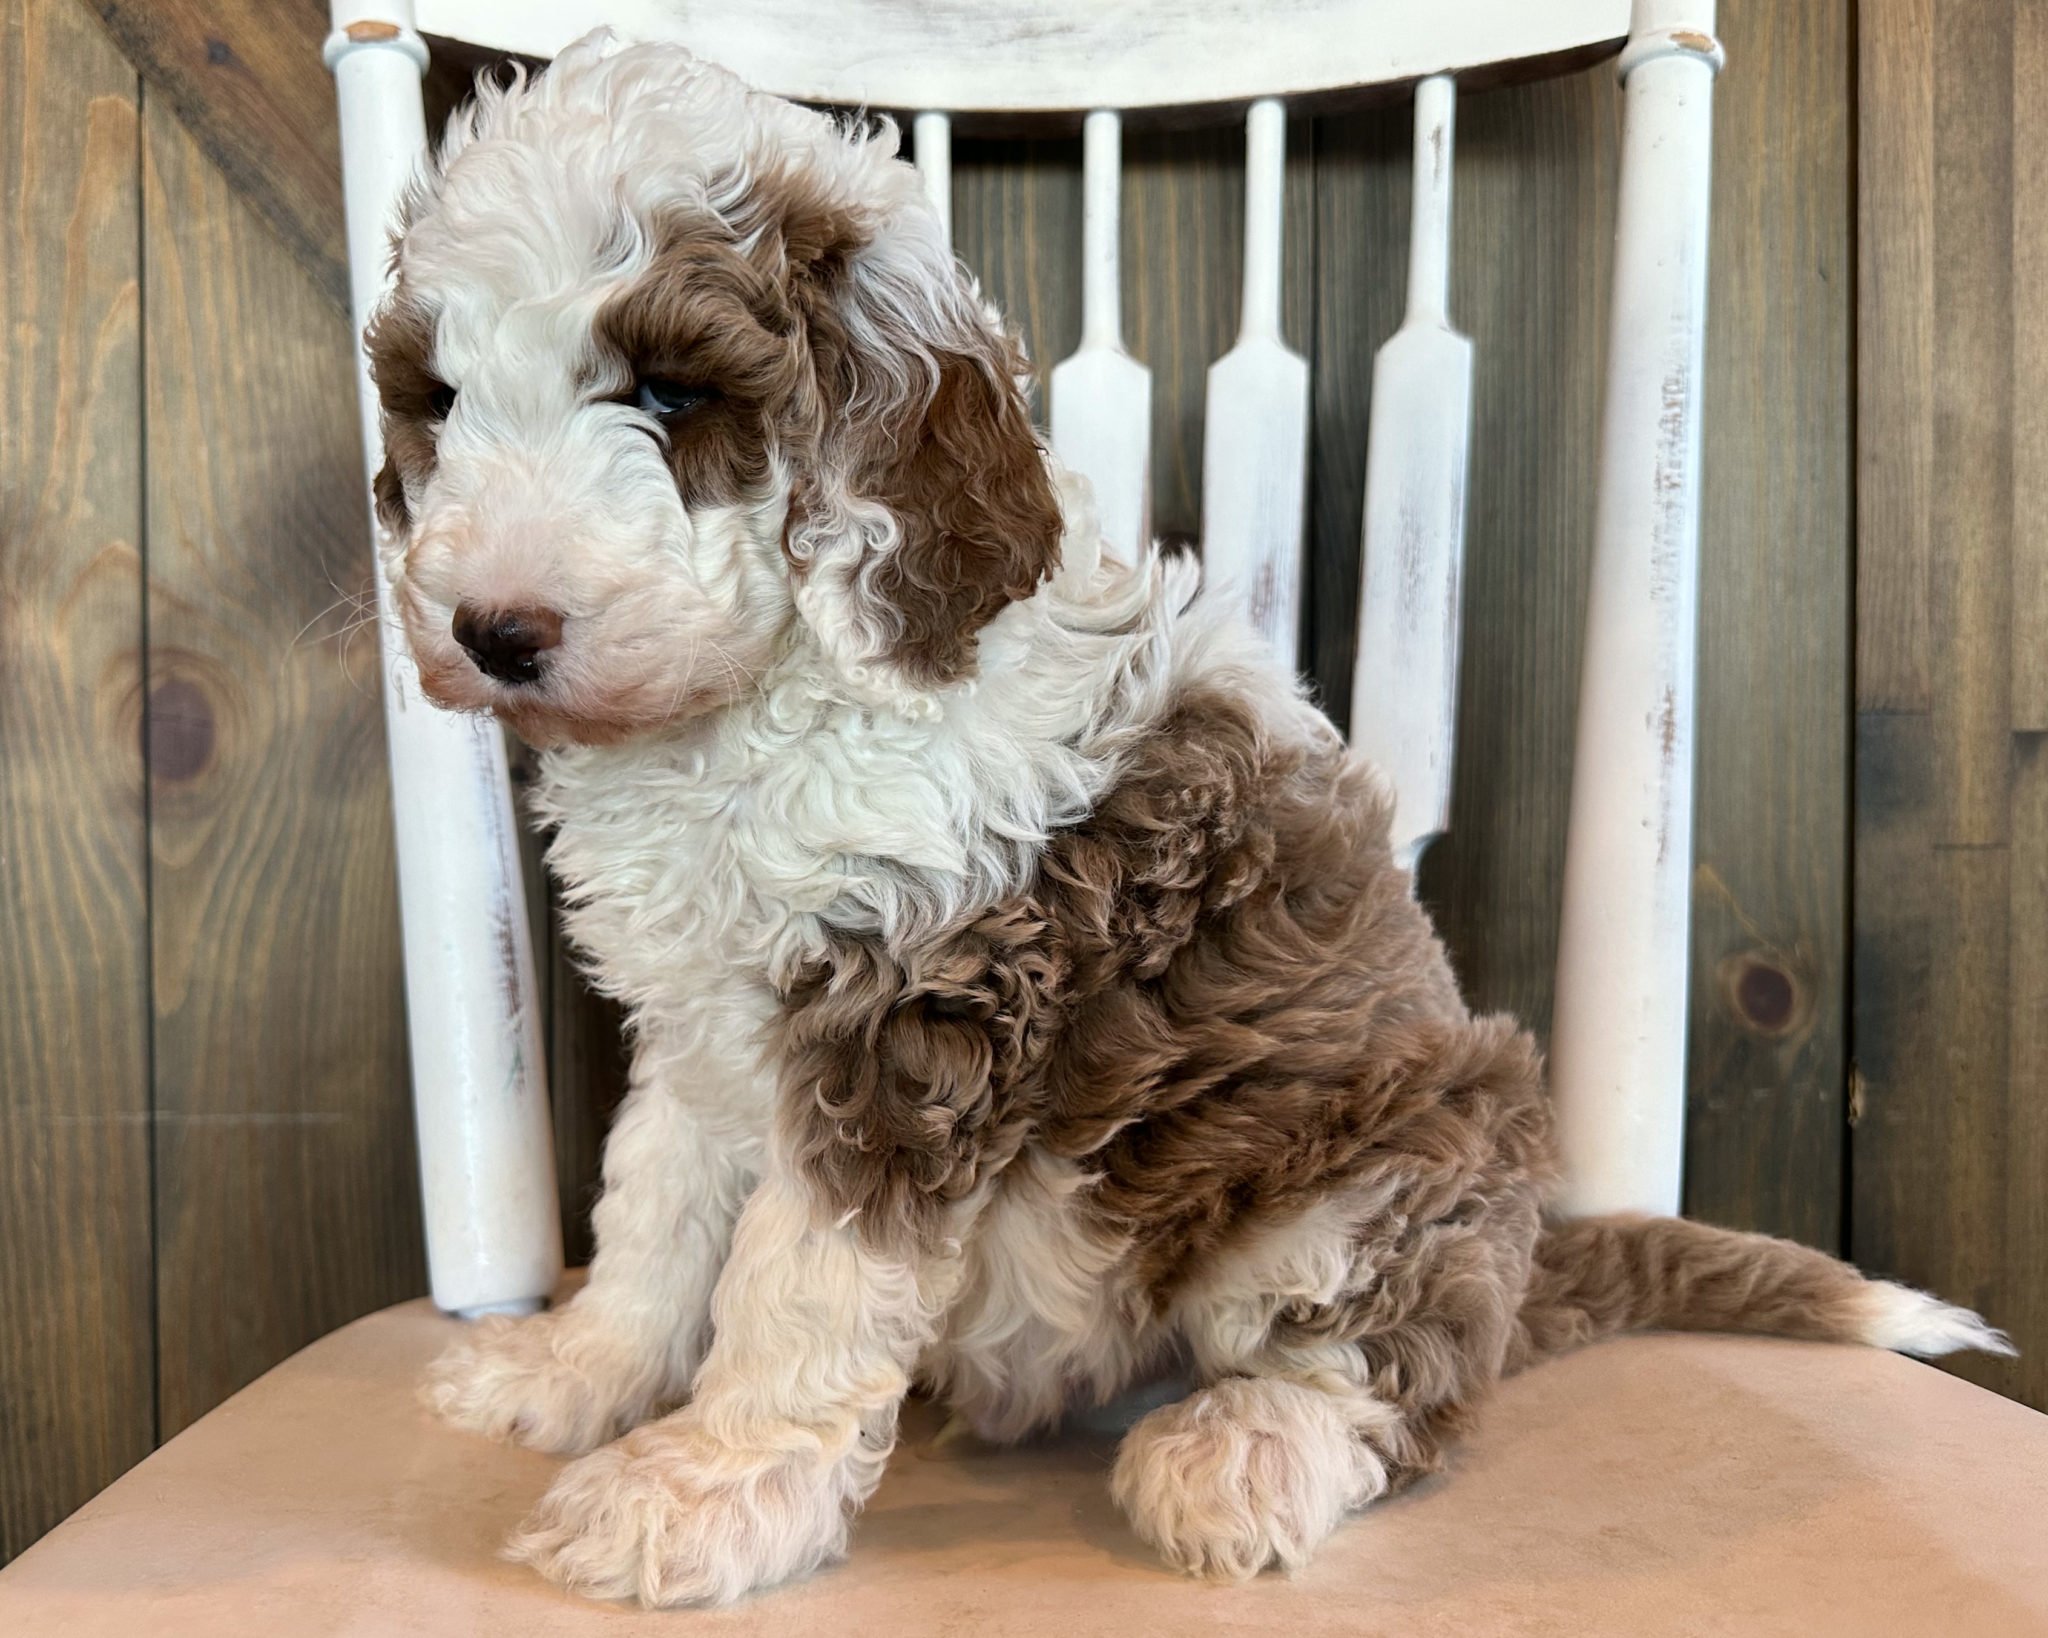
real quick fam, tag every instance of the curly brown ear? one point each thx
(387, 489)
(980, 524)
(928, 507)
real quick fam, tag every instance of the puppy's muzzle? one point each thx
(508, 645)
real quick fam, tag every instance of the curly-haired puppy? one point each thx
(1024, 998)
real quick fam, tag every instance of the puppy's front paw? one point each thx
(671, 1515)
(555, 1382)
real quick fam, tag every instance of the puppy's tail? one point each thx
(1600, 1276)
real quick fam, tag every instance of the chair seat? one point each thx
(1654, 1485)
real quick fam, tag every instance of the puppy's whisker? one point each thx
(359, 604)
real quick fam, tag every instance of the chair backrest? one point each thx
(1618, 1038)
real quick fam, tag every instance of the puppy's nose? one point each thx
(507, 643)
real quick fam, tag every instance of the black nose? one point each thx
(507, 643)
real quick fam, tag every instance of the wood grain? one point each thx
(76, 1359)
(2029, 580)
(1073, 55)
(1534, 210)
(1894, 434)
(1184, 259)
(1951, 842)
(287, 1195)
(1767, 1112)
(245, 77)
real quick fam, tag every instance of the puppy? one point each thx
(1024, 999)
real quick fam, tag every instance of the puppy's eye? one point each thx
(671, 400)
(440, 400)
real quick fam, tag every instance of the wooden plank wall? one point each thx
(205, 1145)
(205, 1155)
(1951, 847)
(77, 1358)
(284, 1148)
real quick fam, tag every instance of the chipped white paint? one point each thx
(1404, 692)
(1619, 1033)
(932, 136)
(1101, 396)
(1058, 54)
(479, 1088)
(1255, 429)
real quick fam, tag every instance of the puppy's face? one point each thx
(674, 377)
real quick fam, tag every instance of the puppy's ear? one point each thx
(388, 491)
(928, 507)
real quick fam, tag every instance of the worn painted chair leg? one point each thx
(479, 1076)
(1619, 1036)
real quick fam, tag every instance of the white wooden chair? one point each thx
(1822, 1489)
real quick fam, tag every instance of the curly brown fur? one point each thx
(1220, 1003)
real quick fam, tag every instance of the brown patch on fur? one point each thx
(766, 307)
(805, 364)
(1221, 1000)
(706, 315)
(905, 1083)
(959, 466)
(400, 341)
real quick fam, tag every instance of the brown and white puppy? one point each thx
(1024, 998)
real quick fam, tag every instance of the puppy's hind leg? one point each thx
(1251, 1471)
(1340, 1356)
(1287, 1436)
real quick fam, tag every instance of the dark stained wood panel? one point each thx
(2030, 367)
(2015, 1129)
(1767, 1131)
(246, 78)
(1951, 984)
(1894, 433)
(285, 1195)
(1017, 226)
(76, 1355)
(287, 1201)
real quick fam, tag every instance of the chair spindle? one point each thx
(480, 1101)
(1619, 1029)
(1404, 695)
(1255, 438)
(932, 138)
(1101, 396)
